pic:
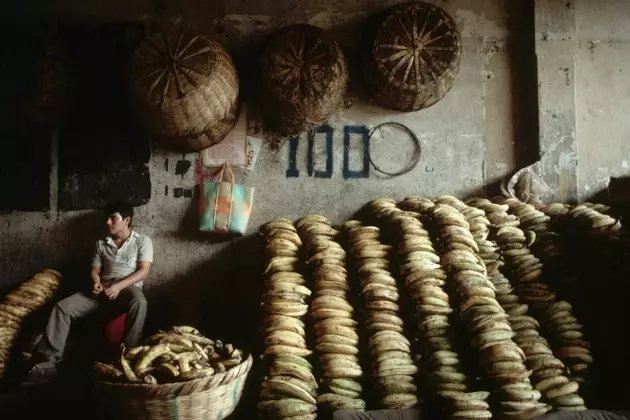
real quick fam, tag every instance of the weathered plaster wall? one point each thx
(602, 93)
(555, 51)
(483, 129)
(584, 80)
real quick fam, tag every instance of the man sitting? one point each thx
(120, 264)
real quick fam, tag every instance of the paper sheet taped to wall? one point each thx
(253, 146)
(233, 149)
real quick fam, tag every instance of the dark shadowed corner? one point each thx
(524, 81)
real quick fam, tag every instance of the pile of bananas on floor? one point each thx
(179, 355)
(438, 304)
(27, 299)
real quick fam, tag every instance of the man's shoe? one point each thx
(41, 373)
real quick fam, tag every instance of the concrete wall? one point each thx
(555, 50)
(584, 79)
(602, 93)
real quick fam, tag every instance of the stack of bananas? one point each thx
(424, 280)
(518, 328)
(390, 350)
(335, 329)
(596, 240)
(601, 240)
(290, 389)
(29, 297)
(502, 361)
(548, 375)
(538, 356)
(548, 245)
(555, 317)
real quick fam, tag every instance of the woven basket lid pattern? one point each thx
(304, 79)
(415, 57)
(185, 87)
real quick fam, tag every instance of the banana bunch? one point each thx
(479, 228)
(179, 355)
(598, 207)
(558, 323)
(393, 369)
(529, 217)
(554, 210)
(290, 388)
(335, 330)
(381, 210)
(478, 223)
(502, 361)
(424, 281)
(590, 220)
(545, 243)
(551, 246)
(27, 298)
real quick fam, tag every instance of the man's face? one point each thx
(116, 224)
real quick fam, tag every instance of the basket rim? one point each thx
(199, 385)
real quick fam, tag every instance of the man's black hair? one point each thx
(122, 207)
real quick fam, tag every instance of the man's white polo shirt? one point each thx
(117, 263)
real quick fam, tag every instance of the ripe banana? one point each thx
(331, 302)
(347, 384)
(287, 308)
(330, 347)
(339, 402)
(310, 220)
(336, 339)
(401, 400)
(281, 350)
(323, 329)
(330, 313)
(334, 321)
(289, 387)
(287, 407)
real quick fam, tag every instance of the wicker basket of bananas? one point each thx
(175, 374)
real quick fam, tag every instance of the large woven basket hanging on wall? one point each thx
(184, 88)
(304, 79)
(414, 57)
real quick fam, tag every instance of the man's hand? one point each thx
(112, 291)
(97, 288)
(95, 275)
